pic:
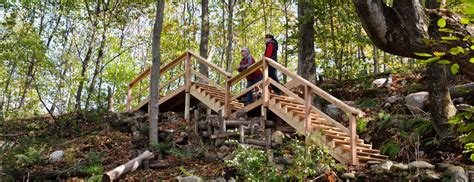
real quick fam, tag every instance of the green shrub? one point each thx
(251, 163)
(361, 125)
(391, 148)
(31, 156)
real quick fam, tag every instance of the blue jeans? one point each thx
(272, 73)
(249, 84)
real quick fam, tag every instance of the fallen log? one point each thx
(224, 135)
(259, 142)
(131, 165)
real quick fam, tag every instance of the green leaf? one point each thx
(464, 21)
(449, 38)
(423, 54)
(472, 47)
(468, 138)
(430, 60)
(456, 50)
(441, 22)
(447, 30)
(472, 157)
(444, 61)
(471, 60)
(454, 68)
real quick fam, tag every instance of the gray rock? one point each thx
(56, 156)
(399, 167)
(232, 179)
(386, 165)
(348, 176)
(241, 114)
(189, 179)
(224, 148)
(210, 156)
(393, 99)
(459, 177)
(442, 166)
(416, 102)
(334, 112)
(450, 171)
(430, 175)
(278, 137)
(420, 165)
(220, 155)
(221, 179)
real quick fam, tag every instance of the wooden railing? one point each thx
(188, 71)
(309, 88)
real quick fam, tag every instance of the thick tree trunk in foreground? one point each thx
(155, 73)
(306, 64)
(203, 45)
(404, 28)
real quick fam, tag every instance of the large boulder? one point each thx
(189, 179)
(417, 102)
(278, 137)
(334, 112)
(420, 165)
(452, 170)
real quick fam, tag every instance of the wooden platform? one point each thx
(342, 142)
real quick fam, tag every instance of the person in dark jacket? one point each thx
(271, 49)
(253, 78)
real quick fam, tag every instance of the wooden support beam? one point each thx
(129, 99)
(241, 133)
(353, 133)
(227, 100)
(187, 88)
(307, 112)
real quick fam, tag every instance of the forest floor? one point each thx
(94, 142)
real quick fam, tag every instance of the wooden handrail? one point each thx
(321, 93)
(246, 72)
(213, 66)
(247, 90)
(163, 69)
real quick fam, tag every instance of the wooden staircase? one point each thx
(213, 97)
(342, 142)
(336, 139)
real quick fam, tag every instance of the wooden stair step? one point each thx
(326, 131)
(345, 142)
(347, 148)
(339, 137)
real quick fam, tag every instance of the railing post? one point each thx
(307, 112)
(353, 137)
(187, 82)
(265, 91)
(227, 110)
(129, 98)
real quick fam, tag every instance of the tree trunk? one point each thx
(230, 17)
(85, 65)
(306, 55)
(97, 69)
(404, 28)
(203, 46)
(155, 73)
(376, 62)
(285, 48)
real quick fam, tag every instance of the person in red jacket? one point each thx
(253, 78)
(271, 49)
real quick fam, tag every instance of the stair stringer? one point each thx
(205, 98)
(335, 152)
